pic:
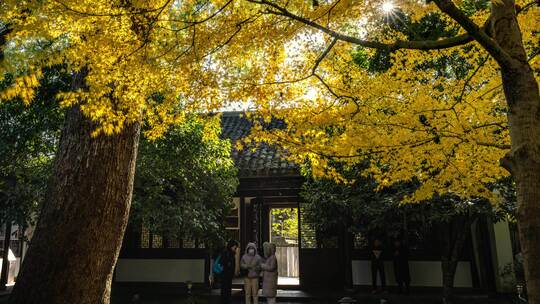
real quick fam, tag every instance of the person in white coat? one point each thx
(250, 266)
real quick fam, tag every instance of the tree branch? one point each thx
(527, 6)
(400, 44)
(99, 14)
(4, 31)
(494, 145)
(194, 22)
(323, 55)
(230, 38)
(449, 8)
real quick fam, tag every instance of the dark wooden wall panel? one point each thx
(320, 268)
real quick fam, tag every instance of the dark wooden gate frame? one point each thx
(267, 192)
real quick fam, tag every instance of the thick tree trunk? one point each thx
(524, 163)
(449, 268)
(77, 240)
(523, 98)
(5, 257)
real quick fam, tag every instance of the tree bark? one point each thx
(446, 264)
(523, 161)
(347, 251)
(78, 237)
(449, 267)
(5, 257)
(454, 236)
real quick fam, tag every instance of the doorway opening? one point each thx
(284, 233)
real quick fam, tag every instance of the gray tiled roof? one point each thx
(266, 160)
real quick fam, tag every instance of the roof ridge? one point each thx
(234, 113)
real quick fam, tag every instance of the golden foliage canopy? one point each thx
(159, 59)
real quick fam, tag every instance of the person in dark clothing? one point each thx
(228, 261)
(377, 266)
(401, 266)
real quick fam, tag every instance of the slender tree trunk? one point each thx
(523, 98)
(346, 256)
(449, 268)
(5, 257)
(5, 262)
(3, 34)
(77, 240)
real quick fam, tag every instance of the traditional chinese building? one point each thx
(269, 182)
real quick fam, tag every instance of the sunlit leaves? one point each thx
(436, 116)
(197, 56)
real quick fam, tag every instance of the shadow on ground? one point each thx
(361, 298)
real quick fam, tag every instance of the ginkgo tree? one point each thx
(456, 129)
(132, 63)
(150, 62)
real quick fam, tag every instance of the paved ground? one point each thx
(314, 297)
(362, 300)
(382, 300)
(299, 297)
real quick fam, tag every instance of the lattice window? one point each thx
(189, 243)
(173, 243)
(255, 215)
(329, 242)
(232, 234)
(232, 221)
(145, 238)
(308, 237)
(157, 241)
(361, 242)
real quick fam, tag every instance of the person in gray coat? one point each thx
(250, 264)
(270, 273)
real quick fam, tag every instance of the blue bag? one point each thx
(217, 268)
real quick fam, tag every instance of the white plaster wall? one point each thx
(160, 270)
(503, 255)
(13, 270)
(423, 273)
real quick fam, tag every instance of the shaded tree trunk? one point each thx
(346, 247)
(523, 98)
(3, 34)
(454, 235)
(449, 267)
(73, 251)
(349, 284)
(5, 256)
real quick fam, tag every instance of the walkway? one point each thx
(298, 297)
(314, 297)
(282, 281)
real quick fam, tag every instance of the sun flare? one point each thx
(387, 7)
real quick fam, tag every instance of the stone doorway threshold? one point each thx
(282, 281)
